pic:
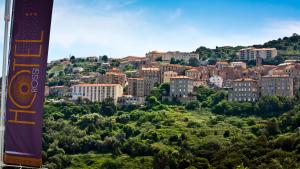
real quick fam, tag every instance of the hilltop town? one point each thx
(229, 107)
(253, 72)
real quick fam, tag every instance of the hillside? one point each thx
(210, 133)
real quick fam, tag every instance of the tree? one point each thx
(226, 134)
(269, 105)
(192, 105)
(173, 61)
(165, 89)
(203, 93)
(72, 58)
(272, 127)
(153, 101)
(115, 63)
(155, 92)
(108, 108)
(194, 62)
(105, 58)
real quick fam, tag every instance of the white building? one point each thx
(216, 81)
(97, 92)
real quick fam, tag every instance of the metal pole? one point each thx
(4, 74)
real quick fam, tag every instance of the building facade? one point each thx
(136, 87)
(112, 77)
(277, 85)
(216, 81)
(167, 56)
(181, 86)
(244, 89)
(168, 75)
(151, 77)
(97, 92)
(194, 74)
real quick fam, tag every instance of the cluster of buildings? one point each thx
(282, 80)
(242, 83)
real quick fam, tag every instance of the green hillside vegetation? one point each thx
(287, 48)
(209, 133)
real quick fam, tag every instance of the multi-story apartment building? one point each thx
(167, 56)
(136, 87)
(167, 76)
(291, 69)
(97, 92)
(151, 77)
(277, 85)
(253, 53)
(181, 86)
(194, 74)
(244, 89)
(112, 77)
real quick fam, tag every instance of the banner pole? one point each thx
(4, 76)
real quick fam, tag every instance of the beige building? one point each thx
(277, 85)
(181, 86)
(253, 53)
(244, 89)
(136, 87)
(168, 75)
(167, 56)
(154, 55)
(97, 92)
(113, 77)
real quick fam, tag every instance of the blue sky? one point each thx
(120, 28)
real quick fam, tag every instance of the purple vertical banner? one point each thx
(26, 82)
